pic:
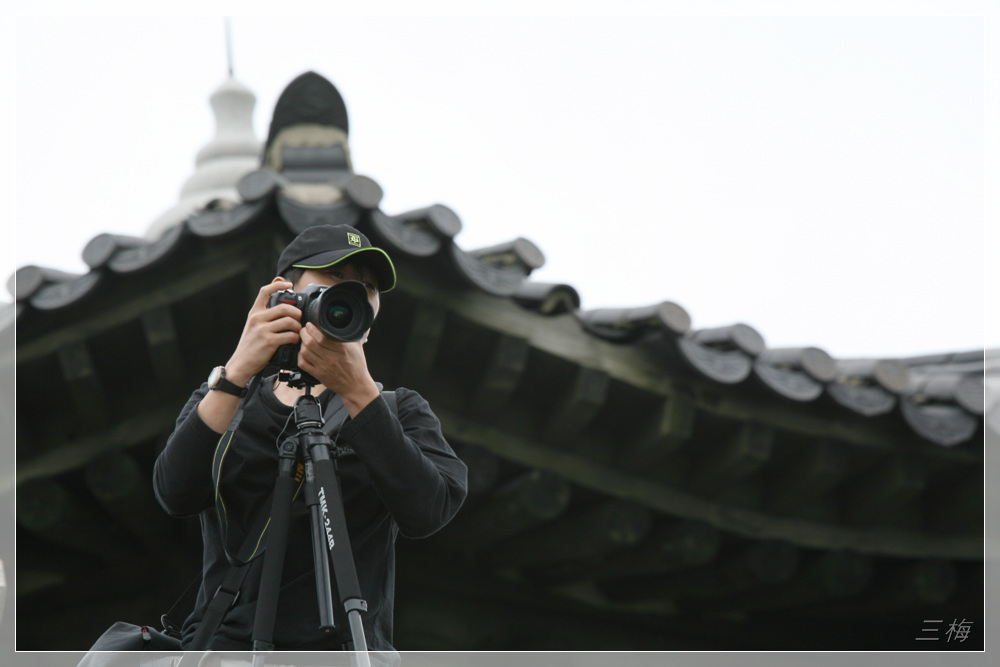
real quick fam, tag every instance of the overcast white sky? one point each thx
(820, 178)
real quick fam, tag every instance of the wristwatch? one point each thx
(217, 381)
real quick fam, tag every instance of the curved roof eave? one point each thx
(930, 392)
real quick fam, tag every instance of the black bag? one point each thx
(108, 650)
(124, 636)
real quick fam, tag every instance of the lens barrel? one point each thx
(341, 311)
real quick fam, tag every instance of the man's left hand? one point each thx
(340, 367)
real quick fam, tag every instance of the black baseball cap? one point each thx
(323, 246)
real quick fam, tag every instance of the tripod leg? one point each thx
(360, 654)
(274, 556)
(339, 543)
(321, 561)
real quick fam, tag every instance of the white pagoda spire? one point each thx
(223, 161)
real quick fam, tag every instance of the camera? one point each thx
(341, 311)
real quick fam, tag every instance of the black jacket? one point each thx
(398, 476)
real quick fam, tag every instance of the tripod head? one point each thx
(307, 412)
(297, 379)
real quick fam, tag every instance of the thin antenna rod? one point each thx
(229, 45)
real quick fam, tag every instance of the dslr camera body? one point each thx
(341, 311)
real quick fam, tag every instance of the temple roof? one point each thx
(939, 397)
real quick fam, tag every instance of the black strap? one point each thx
(390, 398)
(335, 412)
(334, 416)
(230, 388)
(251, 547)
(184, 604)
(223, 599)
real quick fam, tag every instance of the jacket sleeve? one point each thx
(414, 470)
(182, 474)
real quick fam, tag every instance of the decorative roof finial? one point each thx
(219, 165)
(229, 45)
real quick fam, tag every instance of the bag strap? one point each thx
(185, 602)
(335, 407)
(390, 398)
(223, 599)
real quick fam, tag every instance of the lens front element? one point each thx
(342, 311)
(339, 315)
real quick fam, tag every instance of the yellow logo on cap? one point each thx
(354, 239)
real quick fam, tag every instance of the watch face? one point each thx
(214, 377)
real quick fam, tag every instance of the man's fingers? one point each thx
(279, 312)
(282, 324)
(287, 338)
(264, 295)
(311, 332)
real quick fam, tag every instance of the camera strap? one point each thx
(251, 547)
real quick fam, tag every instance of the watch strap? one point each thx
(230, 388)
(222, 384)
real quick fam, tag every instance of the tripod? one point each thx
(331, 545)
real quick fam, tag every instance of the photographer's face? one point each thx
(341, 272)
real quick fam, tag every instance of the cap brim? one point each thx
(377, 259)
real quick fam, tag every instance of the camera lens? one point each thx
(339, 314)
(342, 311)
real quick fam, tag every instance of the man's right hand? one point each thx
(265, 331)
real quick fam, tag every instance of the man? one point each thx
(398, 474)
